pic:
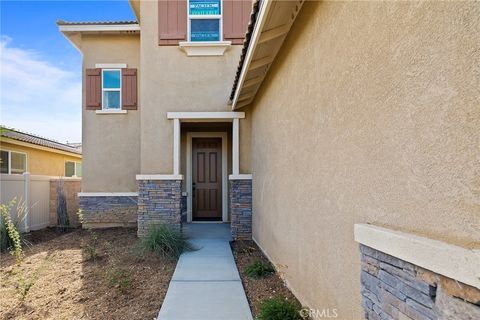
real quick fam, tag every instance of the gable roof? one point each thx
(269, 26)
(37, 140)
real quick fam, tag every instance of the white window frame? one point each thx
(112, 89)
(74, 169)
(10, 160)
(214, 16)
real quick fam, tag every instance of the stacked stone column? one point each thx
(241, 209)
(159, 202)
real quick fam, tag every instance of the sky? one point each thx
(40, 70)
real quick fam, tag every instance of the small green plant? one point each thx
(24, 286)
(80, 216)
(259, 269)
(10, 237)
(278, 308)
(91, 247)
(119, 278)
(166, 241)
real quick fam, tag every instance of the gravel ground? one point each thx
(60, 280)
(257, 290)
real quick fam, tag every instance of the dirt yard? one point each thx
(60, 278)
(257, 290)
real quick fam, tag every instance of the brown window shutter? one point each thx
(236, 16)
(129, 89)
(93, 89)
(172, 22)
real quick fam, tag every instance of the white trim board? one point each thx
(110, 65)
(205, 115)
(159, 177)
(203, 49)
(240, 176)
(446, 259)
(190, 136)
(110, 111)
(108, 194)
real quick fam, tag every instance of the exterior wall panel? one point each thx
(368, 115)
(111, 143)
(174, 82)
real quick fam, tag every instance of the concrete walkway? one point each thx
(206, 284)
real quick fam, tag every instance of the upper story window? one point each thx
(205, 20)
(73, 169)
(111, 88)
(12, 162)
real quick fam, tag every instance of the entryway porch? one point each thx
(206, 184)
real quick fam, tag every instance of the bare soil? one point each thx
(59, 279)
(257, 290)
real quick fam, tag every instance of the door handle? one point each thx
(193, 189)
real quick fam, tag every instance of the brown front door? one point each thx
(207, 179)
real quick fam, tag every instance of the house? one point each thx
(24, 152)
(341, 136)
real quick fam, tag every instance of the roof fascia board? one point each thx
(99, 27)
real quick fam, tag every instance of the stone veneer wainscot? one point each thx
(241, 208)
(159, 202)
(396, 289)
(108, 211)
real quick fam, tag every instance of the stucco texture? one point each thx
(43, 162)
(370, 114)
(172, 81)
(111, 143)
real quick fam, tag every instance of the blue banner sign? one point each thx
(205, 7)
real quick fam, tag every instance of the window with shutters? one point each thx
(111, 89)
(204, 20)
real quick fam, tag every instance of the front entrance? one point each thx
(207, 179)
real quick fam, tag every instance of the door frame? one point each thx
(223, 136)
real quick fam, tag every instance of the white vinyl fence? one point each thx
(32, 199)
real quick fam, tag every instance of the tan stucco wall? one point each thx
(174, 82)
(42, 162)
(369, 114)
(111, 143)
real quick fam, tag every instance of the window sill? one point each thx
(111, 112)
(198, 49)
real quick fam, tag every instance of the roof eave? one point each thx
(94, 28)
(266, 35)
(135, 5)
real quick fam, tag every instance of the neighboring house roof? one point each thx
(40, 141)
(268, 29)
(76, 145)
